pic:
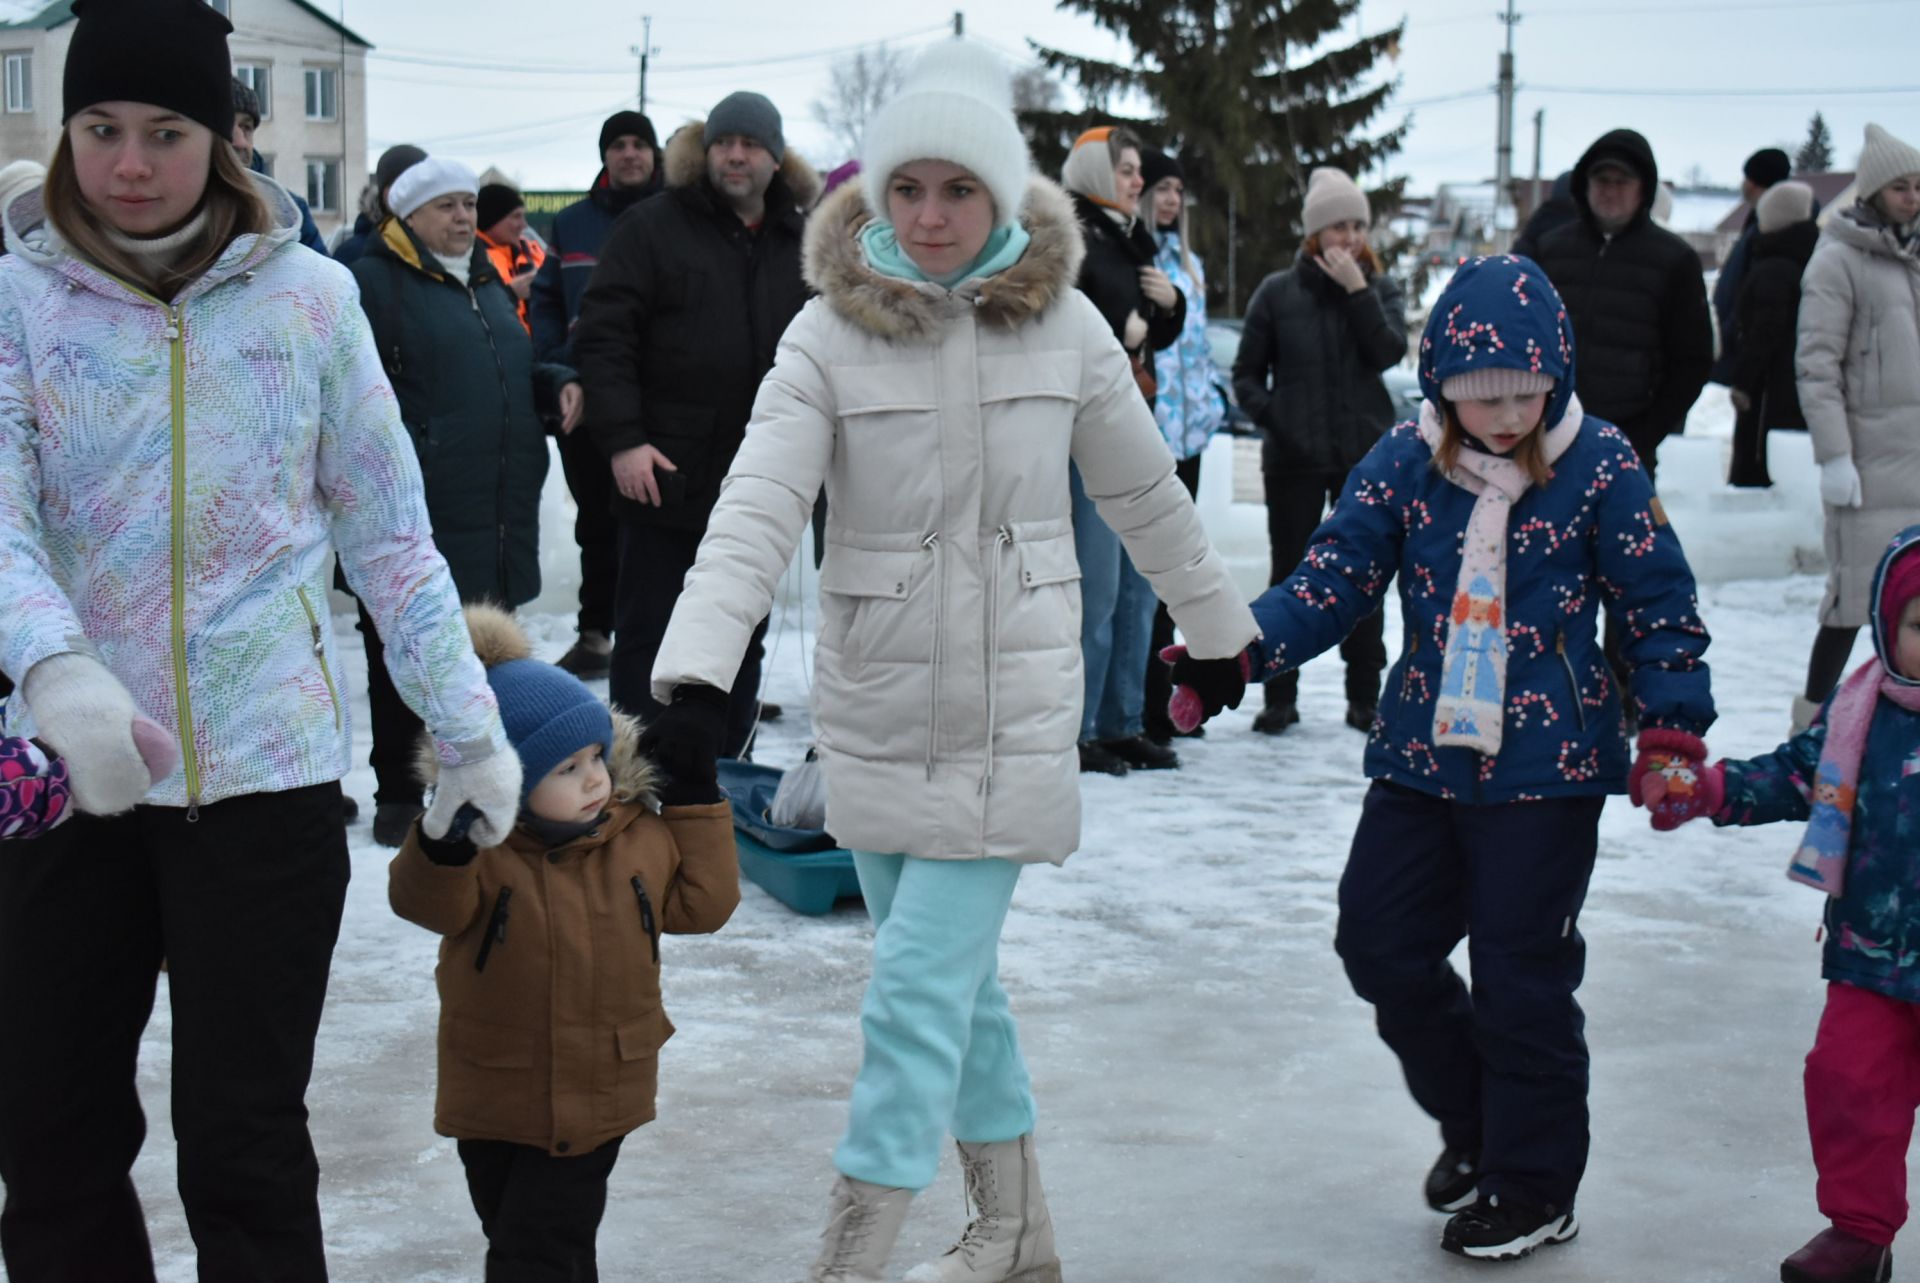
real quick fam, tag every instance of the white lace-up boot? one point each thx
(862, 1222)
(1010, 1238)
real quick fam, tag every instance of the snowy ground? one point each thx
(1215, 1106)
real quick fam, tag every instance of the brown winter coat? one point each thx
(550, 1016)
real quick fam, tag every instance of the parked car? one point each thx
(1223, 336)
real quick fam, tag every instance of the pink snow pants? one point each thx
(1863, 1087)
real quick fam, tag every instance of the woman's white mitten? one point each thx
(86, 716)
(1840, 482)
(490, 786)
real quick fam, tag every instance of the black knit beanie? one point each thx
(495, 202)
(169, 53)
(1767, 166)
(621, 123)
(1157, 165)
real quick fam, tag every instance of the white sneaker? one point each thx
(862, 1222)
(1010, 1238)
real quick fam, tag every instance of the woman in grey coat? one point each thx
(1858, 372)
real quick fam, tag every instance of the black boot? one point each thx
(1142, 754)
(1095, 756)
(1275, 718)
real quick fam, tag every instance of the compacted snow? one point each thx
(1215, 1107)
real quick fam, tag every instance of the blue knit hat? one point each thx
(549, 715)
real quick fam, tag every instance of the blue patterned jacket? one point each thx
(1873, 927)
(1594, 532)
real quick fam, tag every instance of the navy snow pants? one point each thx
(1503, 1066)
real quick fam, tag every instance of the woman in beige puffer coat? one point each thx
(939, 388)
(1858, 375)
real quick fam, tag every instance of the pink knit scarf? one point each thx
(1821, 860)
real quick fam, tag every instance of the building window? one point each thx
(323, 90)
(255, 76)
(323, 186)
(222, 7)
(19, 82)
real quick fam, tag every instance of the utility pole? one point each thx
(1539, 129)
(959, 23)
(1503, 160)
(641, 51)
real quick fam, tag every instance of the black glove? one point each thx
(1202, 687)
(684, 741)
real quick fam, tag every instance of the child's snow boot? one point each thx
(862, 1222)
(1454, 1182)
(1010, 1238)
(1835, 1256)
(1491, 1230)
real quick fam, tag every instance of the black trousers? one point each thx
(1159, 678)
(244, 904)
(654, 562)
(396, 731)
(1748, 466)
(1503, 1067)
(590, 481)
(1296, 502)
(541, 1214)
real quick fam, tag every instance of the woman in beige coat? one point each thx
(939, 388)
(1858, 368)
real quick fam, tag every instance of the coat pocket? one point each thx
(489, 1078)
(636, 1046)
(872, 609)
(1042, 609)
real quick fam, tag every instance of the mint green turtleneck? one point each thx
(884, 255)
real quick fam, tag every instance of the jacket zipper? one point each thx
(1573, 683)
(496, 928)
(647, 921)
(177, 347)
(932, 544)
(506, 438)
(320, 654)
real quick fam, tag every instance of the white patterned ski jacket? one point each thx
(173, 481)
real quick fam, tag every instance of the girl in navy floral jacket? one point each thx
(1507, 516)
(1854, 778)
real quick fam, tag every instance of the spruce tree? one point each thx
(1816, 154)
(1251, 95)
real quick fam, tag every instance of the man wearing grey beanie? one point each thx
(686, 306)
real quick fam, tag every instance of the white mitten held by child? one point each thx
(1840, 482)
(114, 754)
(490, 786)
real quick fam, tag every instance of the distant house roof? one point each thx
(1827, 187)
(36, 15)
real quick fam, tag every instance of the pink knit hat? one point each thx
(1902, 586)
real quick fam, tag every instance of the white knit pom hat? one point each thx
(956, 105)
(1883, 158)
(427, 180)
(1783, 205)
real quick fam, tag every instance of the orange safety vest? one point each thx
(513, 260)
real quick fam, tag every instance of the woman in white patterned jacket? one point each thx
(192, 422)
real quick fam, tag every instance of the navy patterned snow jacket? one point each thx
(1873, 926)
(1593, 532)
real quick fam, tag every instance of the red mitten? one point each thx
(1671, 779)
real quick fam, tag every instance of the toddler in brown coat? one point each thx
(550, 1014)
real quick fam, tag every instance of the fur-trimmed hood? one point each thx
(497, 638)
(685, 160)
(911, 311)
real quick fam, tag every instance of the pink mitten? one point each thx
(1671, 779)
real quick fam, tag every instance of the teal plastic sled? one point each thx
(801, 868)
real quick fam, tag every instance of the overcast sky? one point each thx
(524, 85)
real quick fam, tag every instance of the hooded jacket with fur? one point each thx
(174, 483)
(681, 321)
(551, 1020)
(947, 684)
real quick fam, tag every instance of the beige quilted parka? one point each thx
(947, 688)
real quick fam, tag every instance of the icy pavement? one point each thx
(1215, 1107)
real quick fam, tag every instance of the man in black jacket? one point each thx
(1635, 294)
(630, 172)
(678, 327)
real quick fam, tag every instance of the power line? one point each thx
(529, 68)
(1748, 6)
(1614, 91)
